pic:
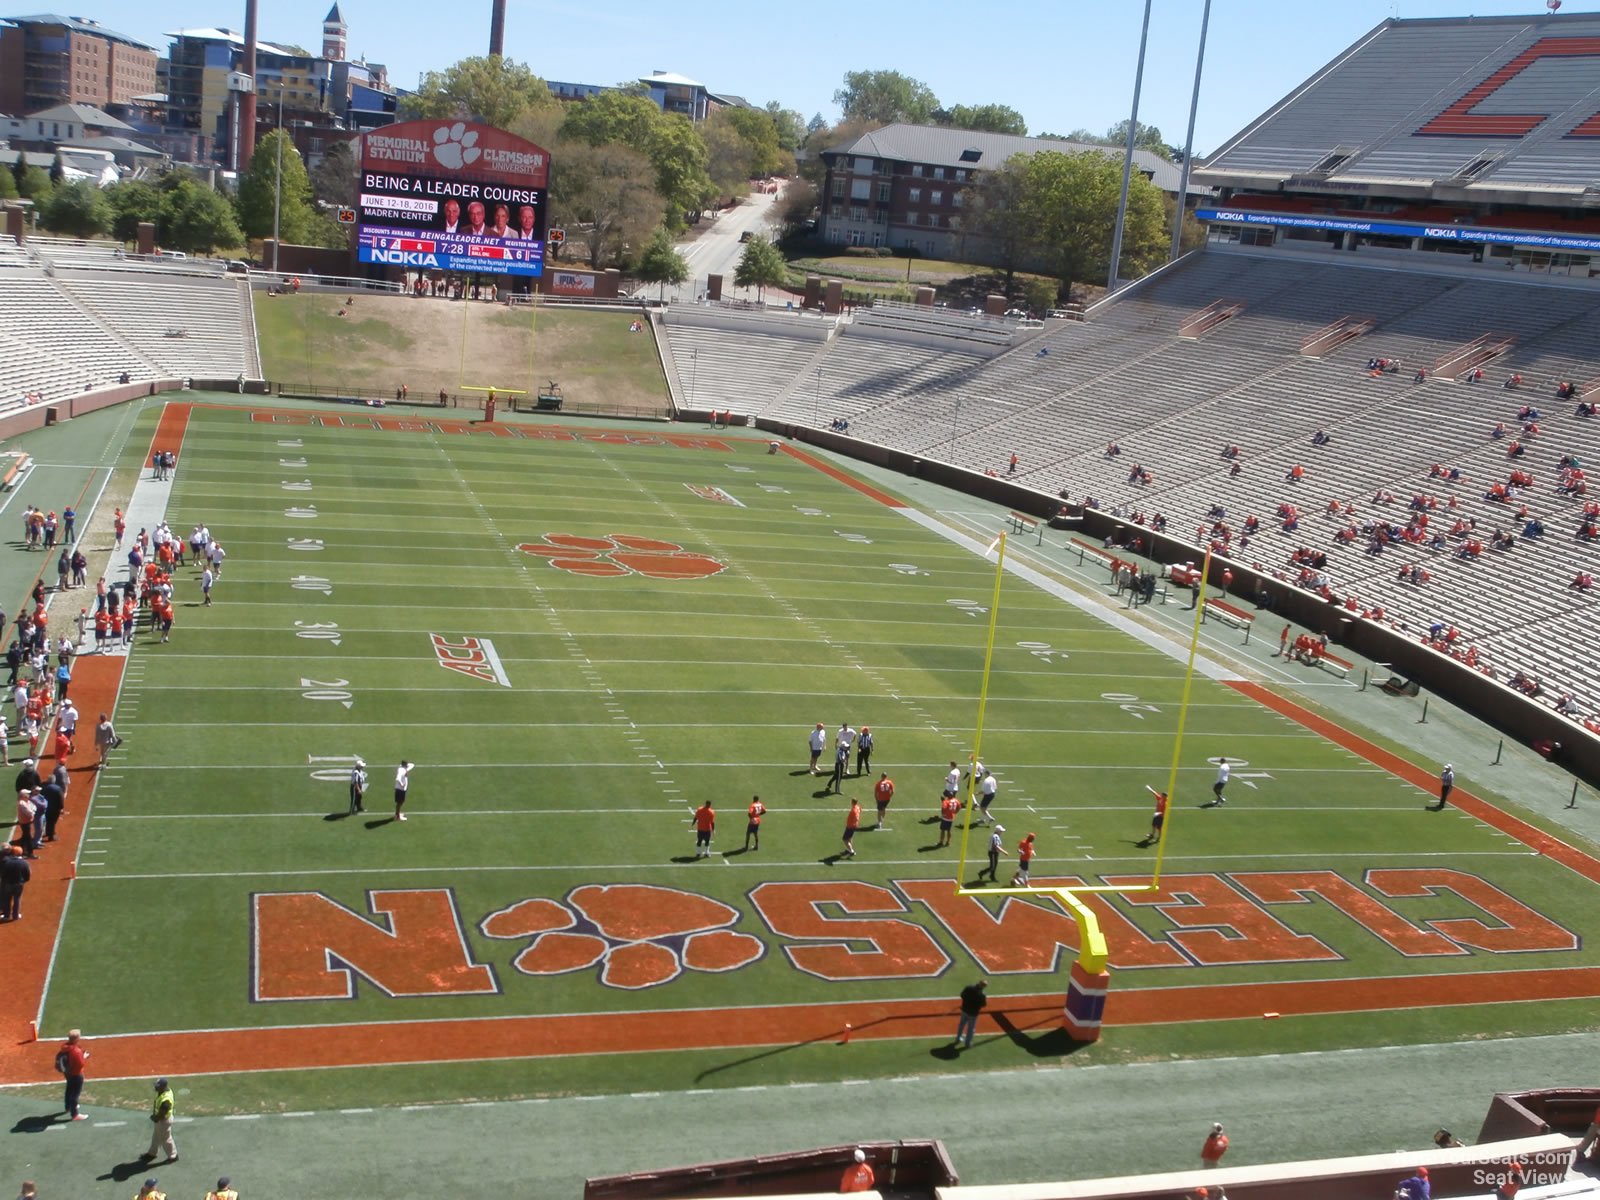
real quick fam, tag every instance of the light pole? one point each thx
(1188, 141)
(1127, 156)
(277, 191)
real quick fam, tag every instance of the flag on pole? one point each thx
(989, 553)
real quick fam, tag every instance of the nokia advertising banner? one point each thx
(1570, 242)
(452, 196)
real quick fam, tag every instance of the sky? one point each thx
(1063, 64)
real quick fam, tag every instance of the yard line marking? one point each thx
(809, 864)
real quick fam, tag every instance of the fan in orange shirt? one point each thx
(858, 1175)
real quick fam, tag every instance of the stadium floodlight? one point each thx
(1188, 140)
(1127, 156)
(1090, 978)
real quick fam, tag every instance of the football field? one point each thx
(579, 635)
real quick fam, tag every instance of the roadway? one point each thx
(716, 248)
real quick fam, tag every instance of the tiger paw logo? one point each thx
(639, 935)
(620, 554)
(454, 146)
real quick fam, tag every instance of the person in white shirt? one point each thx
(952, 781)
(216, 554)
(1223, 771)
(402, 784)
(818, 739)
(845, 740)
(986, 791)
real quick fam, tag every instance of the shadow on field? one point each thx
(125, 1171)
(380, 822)
(338, 816)
(1049, 1043)
(687, 858)
(39, 1124)
(835, 1037)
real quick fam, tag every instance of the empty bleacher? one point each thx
(184, 326)
(1173, 403)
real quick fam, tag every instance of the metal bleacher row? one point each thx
(1172, 403)
(67, 328)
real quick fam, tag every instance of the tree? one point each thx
(78, 210)
(759, 132)
(1070, 207)
(662, 264)
(1147, 137)
(994, 217)
(33, 183)
(491, 89)
(607, 199)
(258, 192)
(990, 118)
(761, 266)
(334, 180)
(195, 219)
(794, 207)
(132, 201)
(885, 97)
(8, 184)
(789, 124)
(669, 140)
(729, 159)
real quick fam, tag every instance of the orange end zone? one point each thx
(170, 429)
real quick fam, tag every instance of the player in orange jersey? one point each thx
(882, 794)
(752, 829)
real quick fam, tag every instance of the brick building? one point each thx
(902, 185)
(49, 60)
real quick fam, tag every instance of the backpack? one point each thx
(61, 1061)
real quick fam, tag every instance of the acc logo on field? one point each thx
(472, 656)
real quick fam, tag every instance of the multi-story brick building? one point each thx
(902, 185)
(49, 60)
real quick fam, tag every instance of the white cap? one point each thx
(1448, 767)
(999, 828)
(861, 1155)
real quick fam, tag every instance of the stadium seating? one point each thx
(1173, 402)
(77, 329)
(59, 252)
(184, 325)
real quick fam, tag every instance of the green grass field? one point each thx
(385, 340)
(547, 866)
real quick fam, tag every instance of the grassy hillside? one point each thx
(384, 341)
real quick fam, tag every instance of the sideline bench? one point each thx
(1021, 522)
(1083, 547)
(1221, 610)
(19, 467)
(1339, 666)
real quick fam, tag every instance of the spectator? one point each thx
(1415, 1187)
(858, 1175)
(1216, 1145)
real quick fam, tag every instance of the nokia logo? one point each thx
(1441, 233)
(404, 258)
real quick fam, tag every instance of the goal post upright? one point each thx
(1090, 978)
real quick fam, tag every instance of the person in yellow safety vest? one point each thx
(149, 1192)
(223, 1191)
(161, 1118)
